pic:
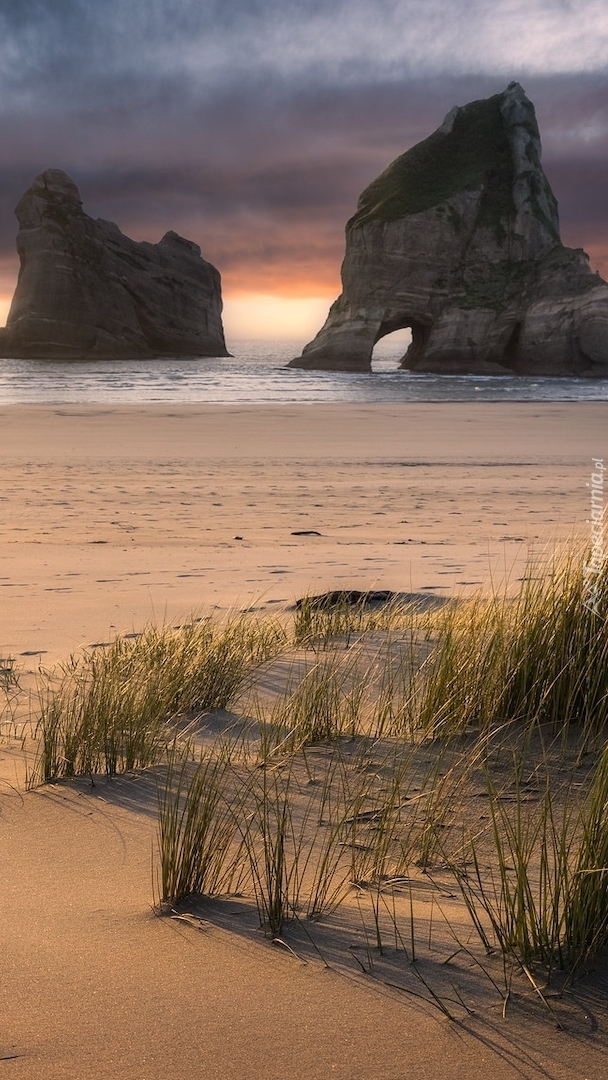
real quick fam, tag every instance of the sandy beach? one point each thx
(117, 516)
(114, 516)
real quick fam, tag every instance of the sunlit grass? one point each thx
(467, 740)
(113, 709)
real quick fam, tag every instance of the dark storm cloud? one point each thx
(216, 43)
(252, 126)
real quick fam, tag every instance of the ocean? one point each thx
(256, 374)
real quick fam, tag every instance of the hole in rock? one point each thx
(390, 350)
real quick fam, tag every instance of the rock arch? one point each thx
(459, 239)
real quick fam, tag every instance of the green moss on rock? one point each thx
(474, 156)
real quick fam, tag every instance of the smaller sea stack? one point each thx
(86, 291)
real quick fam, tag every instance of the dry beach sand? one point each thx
(115, 515)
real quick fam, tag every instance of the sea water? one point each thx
(256, 373)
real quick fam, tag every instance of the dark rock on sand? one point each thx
(87, 291)
(337, 598)
(459, 240)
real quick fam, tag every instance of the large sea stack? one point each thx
(87, 291)
(459, 240)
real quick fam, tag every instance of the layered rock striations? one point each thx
(459, 240)
(87, 291)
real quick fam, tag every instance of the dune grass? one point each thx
(536, 881)
(197, 828)
(538, 657)
(296, 833)
(503, 689)
(469, 739)
(319, 622)
(11, 696)
(114, 708)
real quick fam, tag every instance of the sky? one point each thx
(252, 126)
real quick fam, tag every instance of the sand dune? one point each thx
(95, 985)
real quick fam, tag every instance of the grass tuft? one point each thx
(114, 709)
(467, 741)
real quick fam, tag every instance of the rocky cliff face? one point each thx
(87, 291)
(459, 240)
